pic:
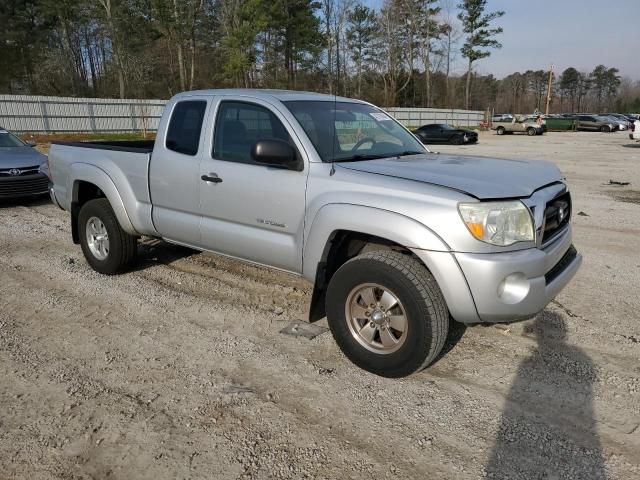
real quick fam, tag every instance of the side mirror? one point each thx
(275, 153)
(30, 143)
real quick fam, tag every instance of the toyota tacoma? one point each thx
(396, 240)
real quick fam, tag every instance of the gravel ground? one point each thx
(179, 369)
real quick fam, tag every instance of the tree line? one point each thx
(601, 90)
(404, 53)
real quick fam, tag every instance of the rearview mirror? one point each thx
(275, 153)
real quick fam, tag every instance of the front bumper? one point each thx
(23, 185)
(517, 285)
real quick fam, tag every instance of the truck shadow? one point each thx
(157, 252)
(547, 429)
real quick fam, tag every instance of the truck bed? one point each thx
(120, 168)
(134, 146)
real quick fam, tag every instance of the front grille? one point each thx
(559, 267)
(23, 185)
(557, 214)
(22, 171)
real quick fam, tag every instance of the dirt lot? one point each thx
(178, 369)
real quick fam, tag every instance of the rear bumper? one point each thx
(518, 285)
(23, 186)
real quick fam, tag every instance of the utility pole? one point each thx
(549, 90)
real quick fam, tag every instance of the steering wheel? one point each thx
(362, 142)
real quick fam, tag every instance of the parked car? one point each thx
(502, 117)
(621, 118)
(20, 164)
(443, 133)
(539, 119)
(395, 239)
(618, 125)
(595, 123)
(519, 125)
(634, 131)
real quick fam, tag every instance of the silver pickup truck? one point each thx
(396, 240)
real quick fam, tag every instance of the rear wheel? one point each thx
(387, 313)
(500, 130)
(531, 131)
(107, 248)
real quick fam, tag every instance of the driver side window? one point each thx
(239, 125)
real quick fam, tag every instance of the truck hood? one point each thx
(20, 157)
(481, 177)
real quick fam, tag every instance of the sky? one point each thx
(576, 33)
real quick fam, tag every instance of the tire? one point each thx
(119, 251)
(426, 317)
(457, 141)
(500, 130)
(605, 129)
(531, 132)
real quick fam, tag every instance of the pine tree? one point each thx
(476, 24)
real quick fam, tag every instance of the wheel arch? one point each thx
(89, 182)
(339, 232)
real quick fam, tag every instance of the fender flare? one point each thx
(84, 172)
(375, 221)
(335, 217)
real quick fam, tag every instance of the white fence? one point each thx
(37, 114)
(23, 113)
(415, 117)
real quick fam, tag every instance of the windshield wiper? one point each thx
(359, 157)
(362, 156)
(407, 153)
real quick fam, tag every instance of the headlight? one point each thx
(498, 223)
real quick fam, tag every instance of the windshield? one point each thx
(346, 131)
(9, 140)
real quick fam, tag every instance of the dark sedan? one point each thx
(20, 173)
(443, 133)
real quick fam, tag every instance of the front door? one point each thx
(251, 211)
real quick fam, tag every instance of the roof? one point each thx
(266, 94)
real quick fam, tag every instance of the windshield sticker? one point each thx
(379, 116)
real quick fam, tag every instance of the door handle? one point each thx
(214, 178)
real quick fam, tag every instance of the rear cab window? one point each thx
(185, 126)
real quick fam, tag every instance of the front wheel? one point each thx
(531, 132)
(106, 246)
(605, 129)
(387, 313)
(457, 140)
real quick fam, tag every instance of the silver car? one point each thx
(20, 168)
